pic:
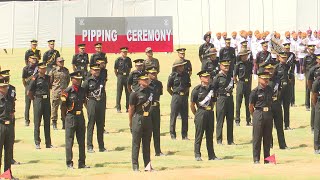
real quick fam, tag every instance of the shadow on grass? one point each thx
(121, 148)
(170, 153)
(17, 141)
(109, 163)
(301, 127)
(120, 131)
(245, 143)
(35, 177)
(22, 117)
(164, 133)
(63, 145)
(178, 167)
(300, 146)
(32, 162)
(228, 157)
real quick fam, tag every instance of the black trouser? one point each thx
(312, 117)
(285, 100)
(225, 109)
(122, 83)
(75, 125)
(204, 122)
(6, 140)
(96, 113)
(316, 132)
(243, 90)
(293, 95)
(307, 95)
(42, 108)
(179, 105)
(141, 131)
(278, 122)
(27, 106)
(13, 133)
(155, 117)
(262, 128)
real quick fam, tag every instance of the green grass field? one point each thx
(297, 163)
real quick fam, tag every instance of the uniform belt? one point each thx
(244, 79)
(77, 113)
(5, 122)
(284, 83)
(225, 94)
(156, 103)
(43, 96)
(208, 108)
(264, 109)
(145, 114)
(122, 73)
(180, 93)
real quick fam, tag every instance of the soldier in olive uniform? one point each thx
(122, 68)
(228, 52)
(73, 99)
(133, 84)
(260, 109)
(104, 78)
(98, 54)
(33, 51)
(243, 70)
(263, 56)
(202, 96)
(140, 121)
(314, 73)
(211, 65)
(187, 66)
(80, 61)
(59, 78)
(150, 61)
(178, 87)
(50, 56)
(276, 108)
(205, 47)
(7, 108)
(157, 89)
(223, 86)
(316, 102)
(291, 61)
(94, 91)
(284, 74)
(308, 62)
(12, 92)
(27, 74)
(39, 91)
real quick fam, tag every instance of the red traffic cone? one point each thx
(271, 159)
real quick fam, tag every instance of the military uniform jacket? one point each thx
(152, 63)
(80, 61)
(291, 61)
(211, 66)
(98, 55)
(188, 66)
(263, 56)
(103, 76)
(60, 80)
(309, 61)
(314, 72)
(261, 98)
(281, 71)
(229, 53)
(157, 89)
(40, 85)
(50, 57)
(274, 84)
(74, 99)
(31, 52)
(316, 88)
(92, 87)
(123, 65)
(180, 83)
(133, 80)
(140, 100)
(7, 105)
(220, 82)
(243, 70)
(28, 71)
(199, 93)
(204, 49)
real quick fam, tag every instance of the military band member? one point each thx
(187, 66)
(308, 62)
(7, 108)
(313, 75)
(202, 97)
(73, 98)
(150, 61)
(140, 121)
(282, 71)
(260, 109)
(80, 61)
(157, 89)
(39, 91)
(33, 51)
(263, 56)
(27, 74)
(59, 79)
(50, 56)
(94, 91)
(205, 47)
(122, 68)
(98, 54)
(211, 65)
(133, 84)
(223, 86)
(178, 87)
(243, 71)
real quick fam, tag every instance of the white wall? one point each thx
(23, 21)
